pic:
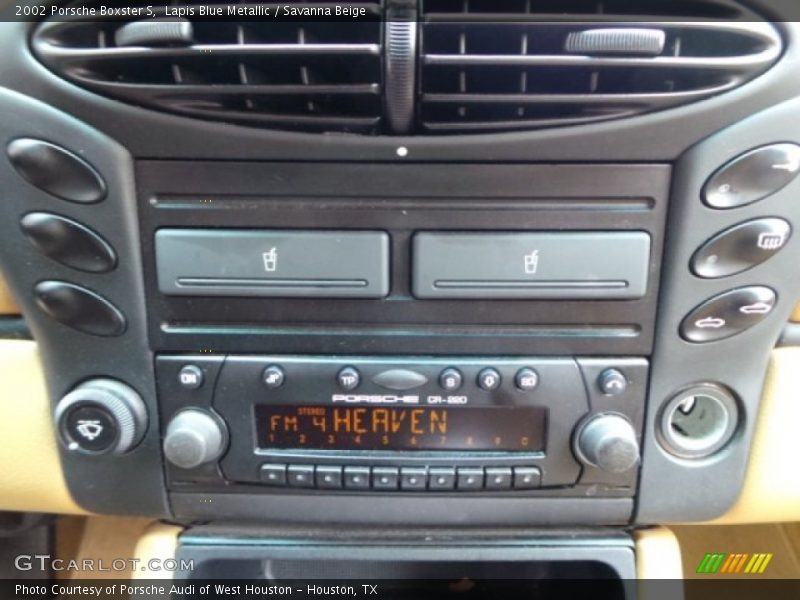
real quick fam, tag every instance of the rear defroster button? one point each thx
(727, 314)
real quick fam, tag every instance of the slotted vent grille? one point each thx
(312, 76)
(523, 64)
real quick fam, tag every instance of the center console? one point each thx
(553, 319)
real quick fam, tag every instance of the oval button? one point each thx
(741, 247)
(56, 171)
(79, 308)
(68, 242)
(727, 314)
(753, 176)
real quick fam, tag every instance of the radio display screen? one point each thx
(482, 428)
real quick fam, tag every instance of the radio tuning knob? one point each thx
(101, 416)
(608, 442)
(194, 437)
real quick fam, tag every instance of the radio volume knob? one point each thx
(194, 437)
(608, 442)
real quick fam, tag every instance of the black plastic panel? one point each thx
(403, 200)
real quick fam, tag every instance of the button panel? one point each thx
(753, 176)
(726, 315)
(740, 248)
(404, 479)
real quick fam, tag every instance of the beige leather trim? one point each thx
(30, 474)
(7, 304)
(796, 314)
(159, 543)
(658, 554)
(771, 490)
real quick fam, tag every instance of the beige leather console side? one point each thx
(7, 304)
(30, 478)
(771, 490)
(658, 554)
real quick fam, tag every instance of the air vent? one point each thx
(524, 64)
(310, 76)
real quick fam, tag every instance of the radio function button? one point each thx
(526, 380)
(329, 477)
(413, 478)
(348, 379)
(526, 478)
(451, 379)
(469, 478)
(56, 171)
(612, 382)
(728, 314)
(273, 377)
(753, 176)
(740, 248)
(498, 478)
(79, 308)
(356, 478)
(400, 379)
(385, 478)
(190, 377)
(442, 478)
(300, 475)
(68, 242)
(489, 379)
(273, 474)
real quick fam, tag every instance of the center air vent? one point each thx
(437, 67)
(522, 64)
(317, 75)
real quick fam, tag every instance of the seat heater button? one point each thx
(727, 314)
(56, 171)
(753, 176)
(68, 242)
(79, 308)
(741, 247)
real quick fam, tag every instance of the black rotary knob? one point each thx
(194, 437)
(101, 416)
(608, 442)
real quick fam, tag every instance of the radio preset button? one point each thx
(526, 478)
(451, 379)
(385, 478)
(413, 478)
(329, 477)
(489, 379)
(273, 474)
(301, 475)
(498, 478)
(469, 478)
(442, 478)
(190, 377)
(526, 380)
(348, 379)
(612, 382)
(356, 478)
(273, 376)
